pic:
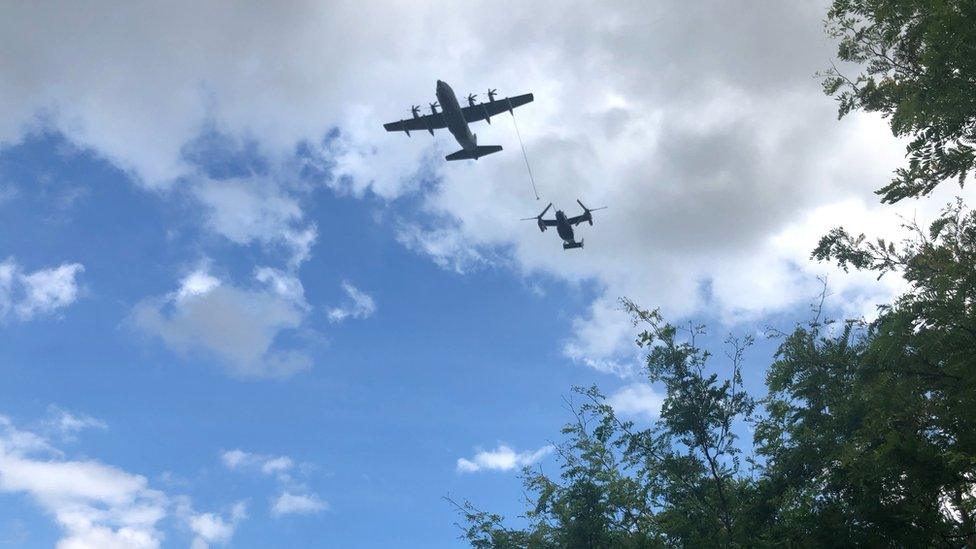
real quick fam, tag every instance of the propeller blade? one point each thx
(589, 209)
(538, 216)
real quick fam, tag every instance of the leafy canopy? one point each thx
(918, 69)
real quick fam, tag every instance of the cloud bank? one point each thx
(699, 124)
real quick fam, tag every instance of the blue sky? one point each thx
(235, 312)
(446, 364)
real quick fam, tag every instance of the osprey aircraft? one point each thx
(564, 225)
(456, 118)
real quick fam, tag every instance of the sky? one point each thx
(236, 312)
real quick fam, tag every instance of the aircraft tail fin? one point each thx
(571, 245)
(475, 153)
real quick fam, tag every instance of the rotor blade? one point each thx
(545, 210)
(529, 218)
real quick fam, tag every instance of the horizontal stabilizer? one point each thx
(474, 153)
(571, 245)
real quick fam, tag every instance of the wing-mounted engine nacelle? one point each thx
(491, 99)
(538, 218)
(588, 212)
(415, 112)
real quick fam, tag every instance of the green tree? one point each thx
(912, 442)
(918, 69)
(867, 435)
(679, 481)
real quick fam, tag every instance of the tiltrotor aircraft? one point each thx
(564, 225)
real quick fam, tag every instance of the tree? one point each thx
(867, 435)
(918, 63)
(676, 482)
(916, 435)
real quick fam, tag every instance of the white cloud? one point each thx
(359, 305)
(198, 282)
(295, 497)
(601, 340)
(238, 459)
(302, 504)
(96, 505)
(43, 292)
(445, 246)
(502, 458)
(710, 147)
(214, 528)
(66, 424)
(234, 458)
(276, 465)
(257, 210)
(637, 399)
(236, 325)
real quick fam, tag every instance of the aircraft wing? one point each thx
(549, 222)
(578, 219)
(482, 111)
(427, 122)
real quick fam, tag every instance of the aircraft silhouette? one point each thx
(564, 225)
(456, 118)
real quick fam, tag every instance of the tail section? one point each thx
(475, 153)
(571, 245)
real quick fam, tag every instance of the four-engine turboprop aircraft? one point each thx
(456, 119)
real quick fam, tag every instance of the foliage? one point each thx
(677, 482)
(918, 69)
(913, 441)
(867, 435)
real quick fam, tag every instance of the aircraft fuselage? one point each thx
(456, 123)
(564, 229)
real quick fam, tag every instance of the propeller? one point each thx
(492, 93)
(433, 107)
(538, 218)
(415, 111)
(587, 211)
(472, 98)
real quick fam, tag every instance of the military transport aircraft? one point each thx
(456, 119)
(564, 225)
